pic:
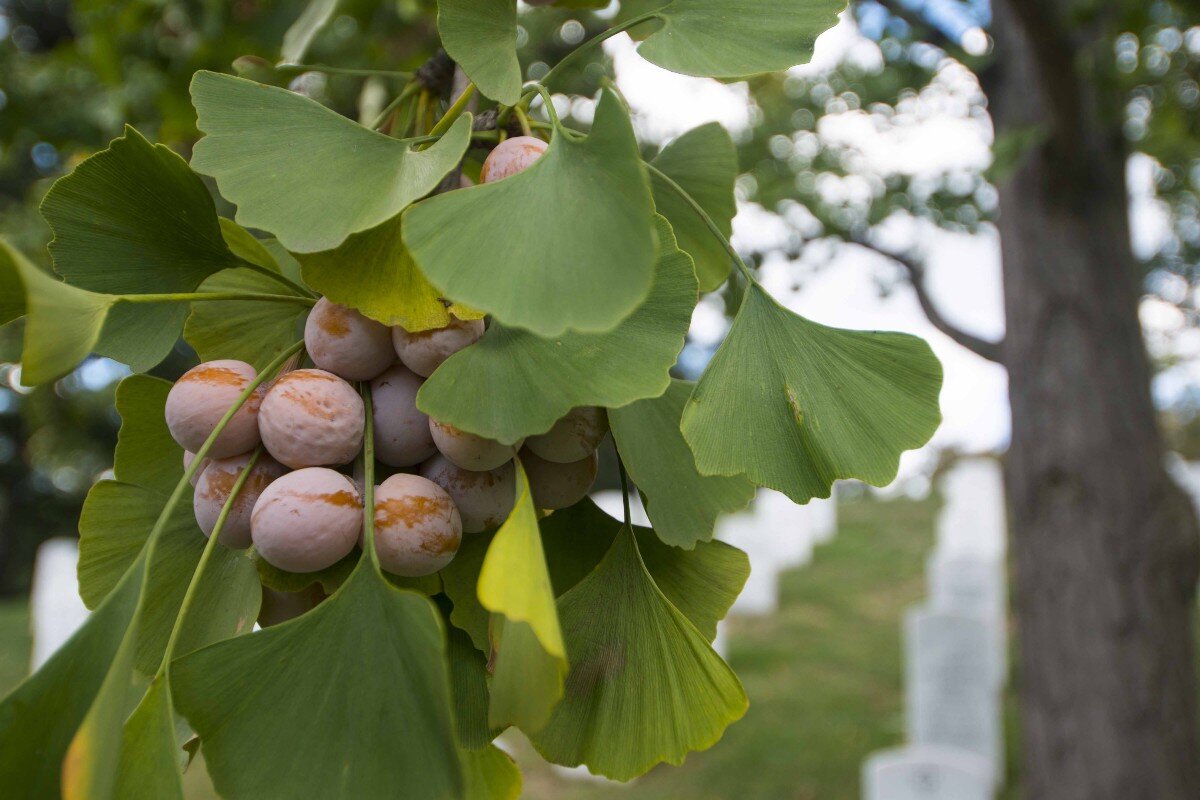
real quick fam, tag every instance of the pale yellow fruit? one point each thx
(213, 490)
(312, 418)
(484, 499)
(342, 341)
(573, 437)
(556, 486)
(468, 450)
(307, 520)
(417, 527)
(424, 351)
(510, 157)
(202, 397)
(402, 435)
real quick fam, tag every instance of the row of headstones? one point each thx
(956, 654)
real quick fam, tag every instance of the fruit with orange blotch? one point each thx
(312, 418)
(484, 499)
(417, 526)
(342, 341)
(307, 520)
(201, 398)
(216, 484)
(425, 351)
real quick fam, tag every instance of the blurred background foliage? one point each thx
(73, 73)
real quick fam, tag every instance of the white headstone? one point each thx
(56, 611)
(975, 587)
(925, 772)
(953, 678)
(973, 519)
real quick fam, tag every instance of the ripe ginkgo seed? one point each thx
(307, 520)
(417, 527)
(342, 341)
(468, 450)
(556, 486)
(573, 437)
(484, 499)
(216, 484)
(402, 435)
(311, 418)
(510, 157)
(424, 351)
(201, 398)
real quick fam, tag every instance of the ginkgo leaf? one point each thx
(682, 504)
(531, 382)
(567, 244)
(146, 454)
(373, 272)
(247, 330)
(645, 686)
(151, 759)
(134, 219)
(514, 585)
(327, 178)
(38, 720)
(702, 583)
(704, 163)
(795, 405)
(491, 775)
(310, 701)
(460, 580)
(736, 38)
(481, 36)
(62, 323)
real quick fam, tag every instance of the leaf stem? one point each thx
(454, 111)
(386, 73)
(596, 40)
(624, 488)
(551, 111)
(278, 277)
(706, 219)
(201, 297)
(209, 548)
(405, 93)
(369, 476)
(523, 118)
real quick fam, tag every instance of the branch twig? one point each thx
(992, 351)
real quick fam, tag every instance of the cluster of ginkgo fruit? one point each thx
(301, 506)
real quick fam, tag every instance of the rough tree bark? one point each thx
(1105, 545)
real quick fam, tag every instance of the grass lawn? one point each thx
(824, 675)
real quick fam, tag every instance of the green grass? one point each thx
(824, 675)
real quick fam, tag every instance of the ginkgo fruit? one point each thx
(553, 485)
(510, 157)
(402, 435)
(312, 418)
(468, 450)
(573, 437)
(342, 341)
(417, 526)
(484, 499)
(307, 520)
(425, 351)
(201, 398)
(188, 458)
(216, 484)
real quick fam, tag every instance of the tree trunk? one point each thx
(1106, 546)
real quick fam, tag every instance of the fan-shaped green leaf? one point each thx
(39, 719)
(481, 36)
(309, 702)
(62, 323)
(645, 687)
(735, 38)
(704, 163)
(134, 219)
(702, 583)
(373, 272)
(248, 330)
(682, 504)
(531, 382)
(568, 244)
(151, 759)
(303, 172)
(146, 455)
(514, 585)
(795, 405)
(491, 775)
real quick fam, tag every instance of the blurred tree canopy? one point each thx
(73, 73)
